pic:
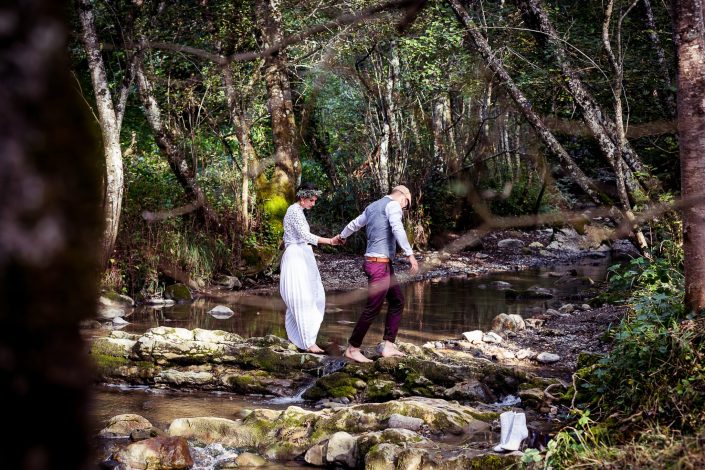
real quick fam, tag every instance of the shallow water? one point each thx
(434, 309)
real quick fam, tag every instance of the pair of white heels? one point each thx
(514, 431)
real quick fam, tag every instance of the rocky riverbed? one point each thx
(437, 407)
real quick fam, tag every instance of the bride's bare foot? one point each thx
(315, 349)
(389, 349)
(356, 355)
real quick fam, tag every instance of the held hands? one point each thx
(337, 240)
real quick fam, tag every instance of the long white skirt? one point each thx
(302, 290)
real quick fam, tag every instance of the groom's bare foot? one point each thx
(389, 349)
(356, 355)
(315, 349)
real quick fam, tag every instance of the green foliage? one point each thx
(656, 368)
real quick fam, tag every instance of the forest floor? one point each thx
(557, 331)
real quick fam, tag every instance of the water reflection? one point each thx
(434, 309)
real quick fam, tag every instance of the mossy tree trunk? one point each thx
(50, 231)
(287, 169)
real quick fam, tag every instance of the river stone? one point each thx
(178, 292)
(510, 243)
(209, 430)
(535, 245)
(170, 453)
(567, 308)
(113, 299)
(474, 336)
(110, 313)
(229, 282)
(553, 312)
(382, 457)
(548, 358)
(471, 390)
(500, 285)
(342, 448)
(512, 322)
(525, 354)
(405, 422)
(314, 455)
(538, 292)
(492, 337)
(178, 377)
(248, 459)
(123, 425)
(221, 311)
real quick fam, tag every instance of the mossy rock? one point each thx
(335, 385)
(178, 292)
(383, 388)
(258, 258)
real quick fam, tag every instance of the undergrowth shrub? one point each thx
(655, 371)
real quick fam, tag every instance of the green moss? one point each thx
(335, 385)
(381, 389)
(104, 347)
(276, 206)
(486, 416)
(178, 292)
(489, 462)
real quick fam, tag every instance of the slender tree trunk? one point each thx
(110, 129)
(622, 173)
(690, 43)
(494, 63)
(281, 108)
(242, 131)
(174, 155)
(50, 231)
(665, 95)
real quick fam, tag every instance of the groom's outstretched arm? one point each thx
(354, 225)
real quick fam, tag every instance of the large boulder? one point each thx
(512, 322)
(123, 425)
(158, 453)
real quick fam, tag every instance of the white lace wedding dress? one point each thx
(300, 282)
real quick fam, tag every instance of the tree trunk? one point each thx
(665, 95)
(494, 63)
(242, 132)
(50, 231)
(690, 44)
(281, 108)
(110, 130)
(167, 144)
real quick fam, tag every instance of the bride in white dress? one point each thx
(300, 282)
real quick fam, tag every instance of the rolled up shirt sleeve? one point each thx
(354, 225)
(394, 214)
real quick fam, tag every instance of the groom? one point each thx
(382, 222)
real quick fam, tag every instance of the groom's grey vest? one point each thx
(380, 238)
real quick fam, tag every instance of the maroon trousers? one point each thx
(382, 283)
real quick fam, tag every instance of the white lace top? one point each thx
(296, 229)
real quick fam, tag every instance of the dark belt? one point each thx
(374, 259)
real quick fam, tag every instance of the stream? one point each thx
(435, 309)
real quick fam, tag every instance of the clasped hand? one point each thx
(337, 240)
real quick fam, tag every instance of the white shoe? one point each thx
(517, 433)
(504, 420)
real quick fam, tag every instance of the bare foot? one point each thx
(389, 349)
(315, 349)
(356, 355)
